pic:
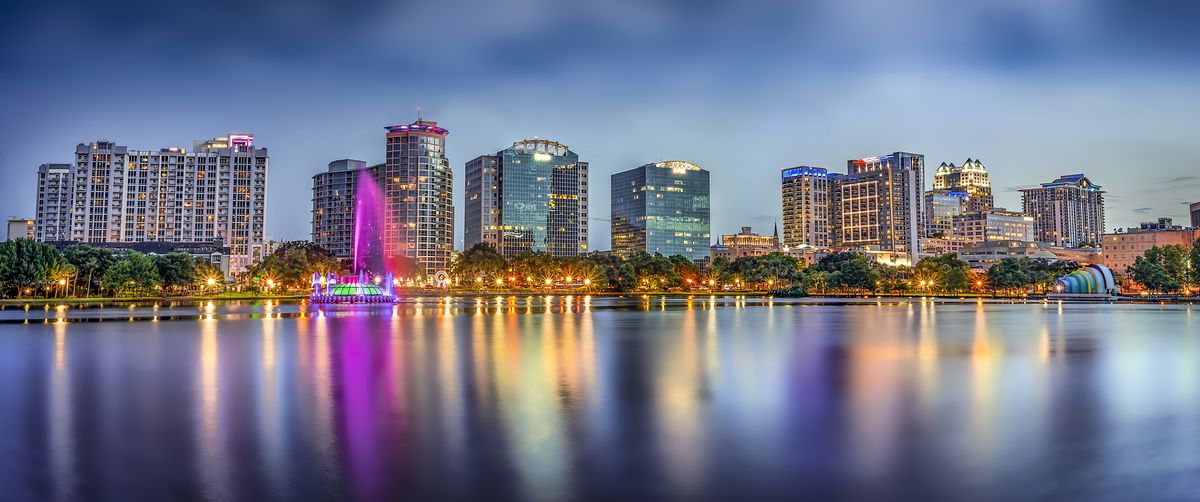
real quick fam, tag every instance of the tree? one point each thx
(1162, 268)
(847, 270)
(175, 270)
(26, 264)
(1008, 274)
(946, 270)
(89, 262)
(1195, 263)
(480, 264)
(134, 273)
(293, 263)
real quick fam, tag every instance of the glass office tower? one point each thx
(662, 208)
(530, 197)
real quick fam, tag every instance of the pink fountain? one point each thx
(373, 280)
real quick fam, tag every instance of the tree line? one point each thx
(1168, 269)
(36, 269)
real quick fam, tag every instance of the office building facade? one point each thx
(53, 216)
(333, 204)
(1067, 212)
(120, 195)
(993, 225)
(530, 197)
(941, 206)
(878, 204)
(971, 178)
(1195, 210)
(662, 208)
(806, 207)
(417, 183)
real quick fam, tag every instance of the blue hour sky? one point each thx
(1034, 88)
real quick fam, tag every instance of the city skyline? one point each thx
(1029, 89)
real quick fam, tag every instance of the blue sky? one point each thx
(1034, 88)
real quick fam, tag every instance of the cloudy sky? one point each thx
(1034, 88)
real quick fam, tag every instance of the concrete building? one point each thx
(20, 228)
(993, 225)
(662, 208)
(1195, 210)
(878, 205)
(1067, 212)
(746, 243)
(971, 179)
(806, 207)
(333, 204)
(530, 197)
(120, 195)
(53, 216)
(1121, 248)
(941, 206)
(417, 183)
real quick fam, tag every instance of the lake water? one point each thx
(551, 398)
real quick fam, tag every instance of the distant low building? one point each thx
(983, 255)
(20, 228)
(746, 243)
(1123, 247)
(215, 252)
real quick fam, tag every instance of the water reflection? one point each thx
(547, 398)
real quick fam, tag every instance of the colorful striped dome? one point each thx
(1092, 279)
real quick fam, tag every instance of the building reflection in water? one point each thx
(540, 397)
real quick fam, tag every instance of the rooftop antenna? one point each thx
(418, 113)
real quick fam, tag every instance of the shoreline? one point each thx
(40, 302)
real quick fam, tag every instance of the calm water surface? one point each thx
(536, 398)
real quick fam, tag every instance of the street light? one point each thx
(587, 282)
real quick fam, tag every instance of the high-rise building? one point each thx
(993, 225)
(1195, 209)
(878, 204)
(806, 207)
(1067, 212)
(941, 206)
(662, 208)
(19, 228)
(971, 179)
(216, 193)
(53, 217)
(417, 184)
(333, 204)
(530, 197)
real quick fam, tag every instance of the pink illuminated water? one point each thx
(368, 225)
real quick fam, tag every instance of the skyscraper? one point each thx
(333, 204)
(941, 206)
(806, 207)
(216, 193)
(1067, 212)
(53, 217)
(1195, 210)
(878, 204)
(417, 183)
(530, 197)
(971, 178)
(662, 208)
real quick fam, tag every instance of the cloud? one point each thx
(1142, 210)
(1180, 179)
